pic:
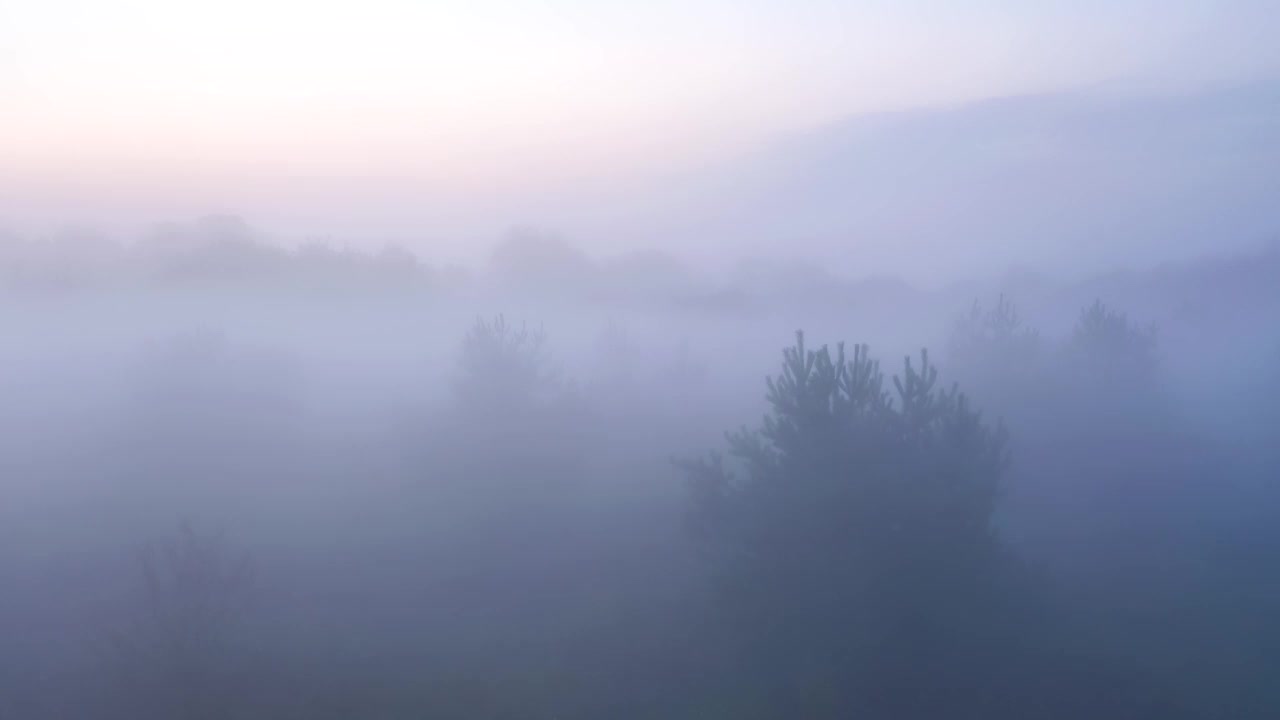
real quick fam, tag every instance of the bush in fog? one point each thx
(176, 658)
(514, 426)
(996, 335)
(1111, 348)
(858, 532)
(504, 368)
(515, 422)
(1110, 480)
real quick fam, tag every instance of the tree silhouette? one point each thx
(504, 368)
(1112, 349)
(175, 659)
(856, 542)
(994, 341)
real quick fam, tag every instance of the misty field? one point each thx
(244, 481)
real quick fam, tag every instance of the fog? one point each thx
(247, 481)
(1075, 182)
(573, 360)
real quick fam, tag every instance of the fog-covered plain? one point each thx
(243, 481)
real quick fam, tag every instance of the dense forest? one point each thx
(243, 480)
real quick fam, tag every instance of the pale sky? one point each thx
(144, 96)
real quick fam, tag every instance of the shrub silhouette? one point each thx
(1000, 327)
(175, 659)
(996, 354)
(504, 368)
(1112, 349)
(514, 422)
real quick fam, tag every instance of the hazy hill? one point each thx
(1074, 181)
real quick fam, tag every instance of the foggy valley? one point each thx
(244, 481)
(702, 360)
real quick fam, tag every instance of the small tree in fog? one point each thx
(515, 425)
(174, 659)
(1108, 347)
(1113, 426)
(859, 528)
(1003, 362)
(504, 367)
(1117, 455)
(997, 334)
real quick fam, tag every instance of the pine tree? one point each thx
(504, 368)
(1109, 348)
(856, 540)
